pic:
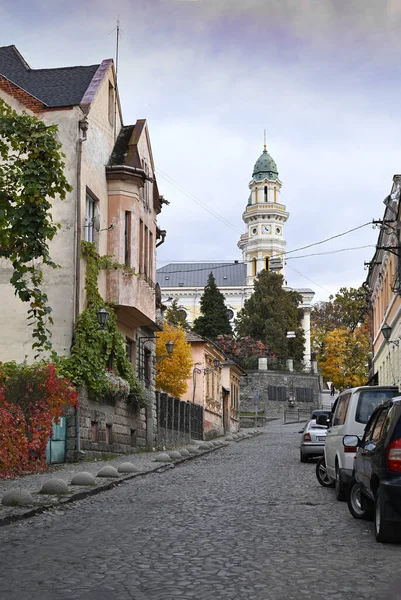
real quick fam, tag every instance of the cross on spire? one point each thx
(265, 139)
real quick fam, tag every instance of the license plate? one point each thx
(320, 438)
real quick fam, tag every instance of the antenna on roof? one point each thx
(265, 139)
(118, 33)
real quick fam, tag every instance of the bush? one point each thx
(31, 398)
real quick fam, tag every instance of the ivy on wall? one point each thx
(31, 174)
(93, 346)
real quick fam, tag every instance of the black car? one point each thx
(375, 488)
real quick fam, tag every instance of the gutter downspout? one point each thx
(83, 127)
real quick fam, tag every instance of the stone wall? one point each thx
(105, 428)
(258, 382)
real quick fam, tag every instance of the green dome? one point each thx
(265, 167)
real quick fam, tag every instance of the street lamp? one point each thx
(386, 331)
(170, 348)
(102, 317)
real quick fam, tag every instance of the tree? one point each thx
(270, 313)
(341, 336)
(176, 316)
(245, 351)
(214, 319)
(172, 372)
(345, 358)
(31, 173)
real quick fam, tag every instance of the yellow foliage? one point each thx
(345, 357)
(173, 372)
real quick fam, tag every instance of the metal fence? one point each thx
(297, 415)
(177, 421)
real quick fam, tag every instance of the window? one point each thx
(265, 194)
(266, 263)
(341, 410)
(147, 367)
(150, 254)
(253, 267)
(94, 431)
(111, 103)
(89, 218)
(367, 402)
(140, 246)
(127, 239)
(379, 425)
(146, 253)
(230, 314)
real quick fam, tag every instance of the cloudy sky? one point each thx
(321, 76)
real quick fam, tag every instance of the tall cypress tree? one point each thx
(214, 319)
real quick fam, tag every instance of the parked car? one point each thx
(321, 411)
(351, 412)
(312, 442)
(375, 488)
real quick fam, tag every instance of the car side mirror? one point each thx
(322, 420)
(351, 440)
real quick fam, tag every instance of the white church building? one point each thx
(262, 245)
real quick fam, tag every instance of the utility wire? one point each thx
(192, 197)
(331, 252)
(327, 239)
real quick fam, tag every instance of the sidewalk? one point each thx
(144, 464)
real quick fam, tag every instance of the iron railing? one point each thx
(177, 421)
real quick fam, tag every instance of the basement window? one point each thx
(181, 284)
(167, 278)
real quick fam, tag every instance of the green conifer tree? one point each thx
(214, 319)
(176, 316)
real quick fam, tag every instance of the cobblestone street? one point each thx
(246, 522)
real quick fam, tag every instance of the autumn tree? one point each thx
(31, 175)
(176, 315)
(270, 313)
(214, 319)
(341, 337)
(172, 372)
(243, 350)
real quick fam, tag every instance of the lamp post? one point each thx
(205, 371)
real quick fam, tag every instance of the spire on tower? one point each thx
(264, 140)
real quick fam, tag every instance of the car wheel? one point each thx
(321, 473)
(359, 506)
(302, 457)
(386, 532)
(341, 494)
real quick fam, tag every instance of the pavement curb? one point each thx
(109, 485)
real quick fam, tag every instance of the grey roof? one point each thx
(64, 86)
(226, 274)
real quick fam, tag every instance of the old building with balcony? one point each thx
(114, 204)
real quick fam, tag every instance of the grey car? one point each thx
(313, 439)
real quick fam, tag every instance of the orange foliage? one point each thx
(173, 371)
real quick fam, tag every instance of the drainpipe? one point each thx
(83, 128)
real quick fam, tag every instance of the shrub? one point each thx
(31, 398)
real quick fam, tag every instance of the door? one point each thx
(334, 437)
(57, 444)
(226, 414)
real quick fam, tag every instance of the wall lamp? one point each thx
(169, 348)
(102, 317)
(386, 331)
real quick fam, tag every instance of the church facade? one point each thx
(262, 245)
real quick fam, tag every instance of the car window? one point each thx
(388, 420)
(379, 425)
(368, 400)
(341, 409)
(369, 428)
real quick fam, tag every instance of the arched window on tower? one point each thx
(275, 194)
(267, 263)
(265, 194)
(253, 267)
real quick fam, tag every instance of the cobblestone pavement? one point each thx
(248, 521)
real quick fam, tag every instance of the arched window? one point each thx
(266, 194)
(253, 270)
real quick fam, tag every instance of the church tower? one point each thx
(263, 243)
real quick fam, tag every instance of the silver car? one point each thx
(313, 439)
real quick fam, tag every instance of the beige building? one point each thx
(114, 203)
(384, 285)
(215, 385)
